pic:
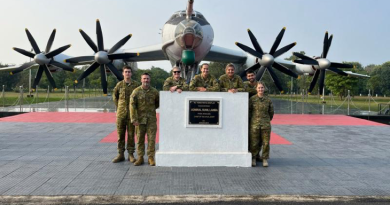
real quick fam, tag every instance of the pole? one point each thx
(303, 99)
(74, 97)
(3, 96)
(20, 98)
(66, 98)
(36, 99)
(349, 98)
(369, 103)
(48, 98)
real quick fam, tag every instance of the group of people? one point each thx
(137, 103)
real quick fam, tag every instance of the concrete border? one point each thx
(84, 199)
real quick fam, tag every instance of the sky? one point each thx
(361, 28)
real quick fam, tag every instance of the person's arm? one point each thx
(271, 110)
(215, 85)
(193, 84)
(222, 84)
(166, 85)
(133, 108)
(115, 96)
(240, 85)
(185, 86)
(157, 99)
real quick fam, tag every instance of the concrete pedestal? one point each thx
(186, 145)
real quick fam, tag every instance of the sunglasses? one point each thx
(176, 71)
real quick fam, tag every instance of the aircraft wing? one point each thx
(9, 68)
(147, 53)
(350, 73)
(220, 54)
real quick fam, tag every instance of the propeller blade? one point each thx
(80, 59)
(60, 65)
(252, 68)
(285, 70)
(89, 41)
(32, 41)
(50, 42)
(114, 71)
(330, 41)
(284, 49)
(119, 44)
(38, 77)
(57, 51)
(277, 41)
(23, 67)
(260, 73)
(122, 55)
(49, 76)
(313, 81)
(302, 56)
(249, 50)
(340, 65)
(322, 81)
(256, 44)
(88, 71)
(99, 35)
(306, 62)
(338, 71)
(326, 46)
(103, 79)
(275, 79)
(24, 52)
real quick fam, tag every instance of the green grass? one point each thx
(359, 102)
(11, 98)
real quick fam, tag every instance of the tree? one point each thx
(339, 85)
(9, 81)
(379, 82)
(217, 69)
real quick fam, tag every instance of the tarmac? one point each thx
(54, 157)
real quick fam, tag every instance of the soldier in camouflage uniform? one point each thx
(175, 82)
(230, 82)
(121, 97)
(261, 112)
(250, 85)
(143, 104)
(204, 82)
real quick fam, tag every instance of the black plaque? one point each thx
(203, 112)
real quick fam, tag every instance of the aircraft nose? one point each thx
(189, 34)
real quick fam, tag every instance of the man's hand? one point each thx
(232, 90)
(202, 89)
(172, 89)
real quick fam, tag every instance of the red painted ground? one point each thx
(62, 117)
(326, 120)
(280, 119)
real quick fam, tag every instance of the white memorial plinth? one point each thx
(188, 145)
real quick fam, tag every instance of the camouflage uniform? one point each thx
(210, 83)
(170, 82)
(250, 89)
(261, 112)
(121, 97)
(143, 105)
(226, 83)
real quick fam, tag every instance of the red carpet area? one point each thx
(279, 119)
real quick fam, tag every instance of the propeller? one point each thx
(42, 58)
(322, 64)
(266, 61)
(102, 58)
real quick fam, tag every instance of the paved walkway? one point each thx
(65, 158)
